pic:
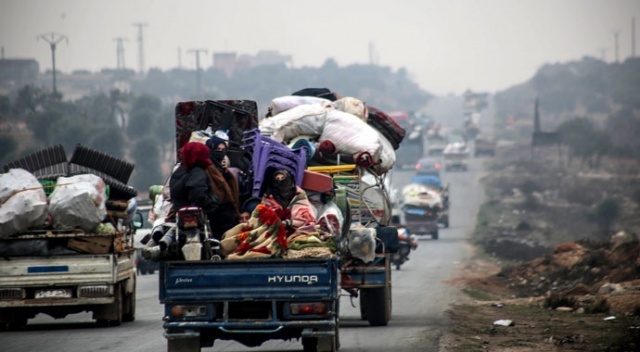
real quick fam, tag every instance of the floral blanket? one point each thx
(265, 236)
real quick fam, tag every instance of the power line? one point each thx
(120, 52)
(140, 26)
(53, 39)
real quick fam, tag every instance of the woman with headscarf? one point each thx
(224, 186)
(289, 201)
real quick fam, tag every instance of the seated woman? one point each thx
(289, 201)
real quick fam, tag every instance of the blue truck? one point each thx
(253, 301)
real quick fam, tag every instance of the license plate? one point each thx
(59, 293)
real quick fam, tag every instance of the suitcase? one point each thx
(236, 116)
(386, 125)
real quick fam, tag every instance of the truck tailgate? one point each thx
(251, 279)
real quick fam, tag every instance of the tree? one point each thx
(147, 164)
(585, 140)
(8, 146)
(141, 123)
(109, 140)
(606, 213)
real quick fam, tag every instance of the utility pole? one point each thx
(140, 26)
(633, 37)
(53, 39)
(616, 33)
(197, 53)
(120, 52)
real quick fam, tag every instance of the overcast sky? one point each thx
(446, 45)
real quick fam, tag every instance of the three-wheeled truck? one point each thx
(253, 301)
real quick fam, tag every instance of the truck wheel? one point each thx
(184, 345)
(17, 323)
(322, 344)
(377, 301)
(111, 314)
(129, 305)
(434, 235)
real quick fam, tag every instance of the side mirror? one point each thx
(137, 220)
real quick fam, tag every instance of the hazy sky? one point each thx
(446, 45)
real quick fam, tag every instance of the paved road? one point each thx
(419, 300)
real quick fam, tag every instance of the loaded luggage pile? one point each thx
(66, 227)
(272, 284)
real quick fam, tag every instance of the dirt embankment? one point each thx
(558, 265)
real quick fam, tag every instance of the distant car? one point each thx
(428, 180)
(428, 166)
(143, 265)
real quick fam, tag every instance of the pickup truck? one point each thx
(65, 272)
(253, 301)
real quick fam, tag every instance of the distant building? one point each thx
(230, 61)
(225, 62)
(16, 73)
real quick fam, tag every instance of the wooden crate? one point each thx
(96, 245)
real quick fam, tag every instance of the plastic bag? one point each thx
(21, 210)
(302, 120)
(288, 102)
(352, 106)
(362, 243)
(78, 202)
(330, 218)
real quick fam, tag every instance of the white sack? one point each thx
(287, 102)
(78, 202)
(20, 211)
(353, 106)
(350, 134)
(421, 195)
(386, 155)
(301, 120)
(330, 218)
(362, 243)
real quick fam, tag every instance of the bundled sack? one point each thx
(386, 155)
(302, 120)
(78, 202)
(422, 196)
(362, 243)
(352, 106)
(330, 218)
(350, 134)
(288, 102)
(23, 203)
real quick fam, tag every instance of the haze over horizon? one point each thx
(446, 46)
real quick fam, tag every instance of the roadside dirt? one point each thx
(543, 277)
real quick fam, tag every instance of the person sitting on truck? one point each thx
(289, 201)
(225, 188)
(247, 208)
(189, 185)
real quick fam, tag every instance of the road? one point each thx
(419, 300)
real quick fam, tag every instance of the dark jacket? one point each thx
(192, 188)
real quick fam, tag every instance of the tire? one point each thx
(115, 310)
(322, 344)
(17, 323)
(129, 305)
(377, 303)
(184, 345)
(434, 235)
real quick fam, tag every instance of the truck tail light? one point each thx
(12, 293)
(311, 308)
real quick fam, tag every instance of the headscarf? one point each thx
(283, 190)
(195, 154)
(216, 155)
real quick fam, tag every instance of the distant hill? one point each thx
(588, 88)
